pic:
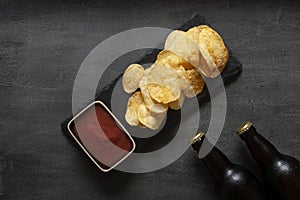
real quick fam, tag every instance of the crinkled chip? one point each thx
(212, 43)
(151, 104)
(131, 115)
(195, 80)
(177, 42)
(132, 77)
(163, 85)
(171, 59)
(176, 105)
(149, 119)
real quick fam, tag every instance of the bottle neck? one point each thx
(215, 161)
(262, 150)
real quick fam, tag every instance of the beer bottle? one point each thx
(232, 181)
(281, 172)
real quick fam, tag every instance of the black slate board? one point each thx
(166, 134)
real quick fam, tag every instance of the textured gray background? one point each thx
(42, 45)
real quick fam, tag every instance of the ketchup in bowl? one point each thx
(101, 136)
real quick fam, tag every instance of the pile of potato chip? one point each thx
(176, 74)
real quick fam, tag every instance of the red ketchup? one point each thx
(101, 135)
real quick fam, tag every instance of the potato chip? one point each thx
(141, 125)
(149, 119)
(212, 43)
(152, 105)
(170, 59)
(161, 93)
(131, 115)
(163, 85)
(195, 80)
(195, 53)
(185, 86)
(189, 91)
(176, 105)
(177, 42)
(132, 77)
(206, 65)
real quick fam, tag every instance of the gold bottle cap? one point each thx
(197, 137)
(243, 128)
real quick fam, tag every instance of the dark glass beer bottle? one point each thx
(281, 172)
(232, 181)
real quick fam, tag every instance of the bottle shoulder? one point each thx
(284, 176)
(284, 171)
(283, 163)
(239, 175)
(239, 183)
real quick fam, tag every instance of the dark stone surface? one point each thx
(42, 46)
